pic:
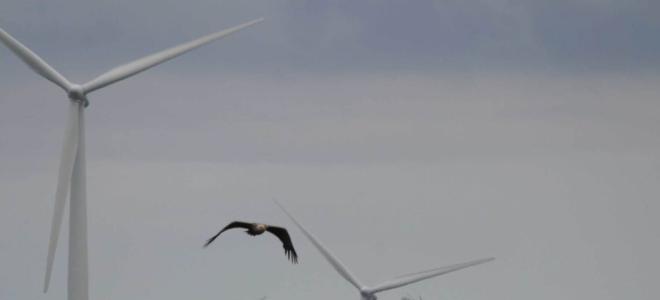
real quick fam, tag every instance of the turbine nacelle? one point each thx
(367, 294)
(77, 94)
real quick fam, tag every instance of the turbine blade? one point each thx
(419, 276)
(422, 272)
(339, 267)
(142, 64)
(69, 152)
(33, 60)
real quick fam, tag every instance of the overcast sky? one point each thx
(404, 134)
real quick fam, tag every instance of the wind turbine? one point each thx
(71, 177)
(369, 293)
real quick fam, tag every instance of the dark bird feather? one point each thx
(283, 235)
(235, 224)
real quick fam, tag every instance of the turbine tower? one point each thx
(71, 177)
(369, 293)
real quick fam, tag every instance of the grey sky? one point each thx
(405, 134)
(335, 35)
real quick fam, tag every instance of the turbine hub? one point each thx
(77, 94)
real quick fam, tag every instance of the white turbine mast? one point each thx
(71, 178)
(369, 292)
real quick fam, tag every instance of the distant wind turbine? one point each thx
(369, 293)
(71, 178)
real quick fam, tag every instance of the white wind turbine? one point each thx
(369, 293)
(71, 178)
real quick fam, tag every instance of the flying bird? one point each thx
(255, 229)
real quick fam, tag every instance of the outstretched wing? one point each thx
(283, 235)
(235, 224)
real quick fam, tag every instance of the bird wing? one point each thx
(235, 224)
(283, 235)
